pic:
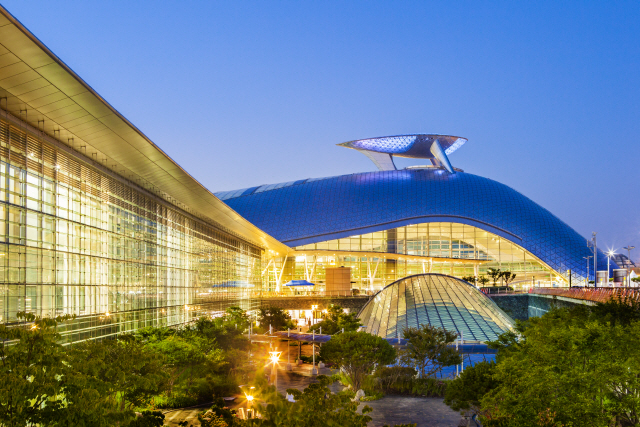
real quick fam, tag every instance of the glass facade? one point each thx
(445, 245)
(80, 240)
(437, 300)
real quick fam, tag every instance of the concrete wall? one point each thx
(516, 305)
(305, 303)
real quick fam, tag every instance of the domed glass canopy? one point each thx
(438, 300)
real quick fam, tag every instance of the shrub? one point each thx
(402, 380)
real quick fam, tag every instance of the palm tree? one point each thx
(495, 274)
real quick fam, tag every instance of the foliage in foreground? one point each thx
(403, 381)
(357, 353)
(570, 367)
(45, 384)
(429, 350)
(466, 391)
(277, 318)
(314, 407)
(103, 383)
(336, 320)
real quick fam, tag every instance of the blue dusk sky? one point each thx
(246, 93)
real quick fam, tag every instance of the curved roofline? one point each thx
(405, 134)
(62, 106)
(401, 223)
(431, 274)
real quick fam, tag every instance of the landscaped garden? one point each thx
(566, 367)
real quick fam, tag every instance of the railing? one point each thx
(590, 294)
(289, 294)
(502, 291)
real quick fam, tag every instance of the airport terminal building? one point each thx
(390, 224)
(98, 222)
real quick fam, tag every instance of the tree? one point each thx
(508, 277)
(126, 372)
(495, 274)
(617, 311)
(220, 330)
(357, 353)
(466, 391)
(483, 280)
(237, 316)
(428, 348)
(335, 320)
(470, 279)
(316, 406)
(33, 369)
(566, 367)
(275, 317)
(180, 356)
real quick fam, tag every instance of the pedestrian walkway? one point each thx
(424, 411)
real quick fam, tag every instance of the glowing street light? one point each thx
(248, 394)
(274, 356)
(609, 255)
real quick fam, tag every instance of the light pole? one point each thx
(274, 356)
(248, 394)
(609, 255)
(628, 249)
(587, 258)
(313, 314)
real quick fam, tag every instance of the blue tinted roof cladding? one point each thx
(320, 209)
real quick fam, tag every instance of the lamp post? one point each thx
(274, 356)
(587, 281)
(248, 394)
(628, 249)
(609, 255)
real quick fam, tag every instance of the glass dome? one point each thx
(438, 300)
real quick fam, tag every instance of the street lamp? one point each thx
(274, 356)
(587, 258)
(609, 255)
(248, 394)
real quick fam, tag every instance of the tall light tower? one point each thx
(609, 255)
(587, 258)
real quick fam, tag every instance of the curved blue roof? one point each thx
(315, 210)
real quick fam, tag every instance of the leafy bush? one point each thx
(177, 401)
(429, 349)
(148, 419)
(337, 320)
(357, 353)
(402, 380)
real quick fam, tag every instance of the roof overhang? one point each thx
(38, 88)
